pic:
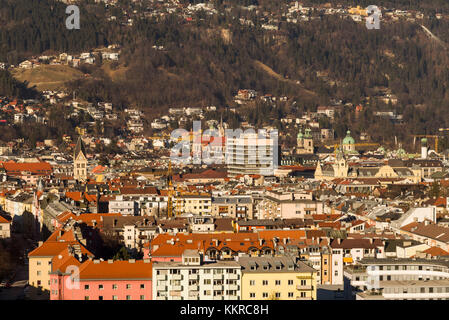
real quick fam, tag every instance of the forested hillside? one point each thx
(207, 60)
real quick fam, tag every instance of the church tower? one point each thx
(341, 167)
(80, 161)
(304, 142)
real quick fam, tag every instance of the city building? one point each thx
(194, 279)
(277, 278)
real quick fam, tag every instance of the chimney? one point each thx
(339, 240)
(40, 243)
(260, 242)
(96, 261)
(146, 260)
(110, 261)
(426, 222)
(131, 260)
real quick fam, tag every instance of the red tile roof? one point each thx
(116, 270)
(38, 168)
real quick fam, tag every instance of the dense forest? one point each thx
(10, 87)
(30, 27)
(207, 60)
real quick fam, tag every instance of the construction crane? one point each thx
(426, 136)
(171, 191)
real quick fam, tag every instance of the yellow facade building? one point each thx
(277, 278)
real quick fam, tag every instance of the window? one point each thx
(252, 295)
(100, 297)
(86, 298)
(290, 282)
(142, 297)
(86, 287)
(38, 263)
(303, 282)
(114, 298)
(207, 281)
(303, 294)
(100, 287)
(128, 286)
(38, 273)
(264, 282)
(142, 286)
(265, 295)
(278, 282)
(278, 294)
(128, 297)
(114, 287)
(290, 294)
(252, 282)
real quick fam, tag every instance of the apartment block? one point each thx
(400, 279)
(192, 279)
(277, 278)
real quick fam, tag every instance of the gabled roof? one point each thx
(40, 168)
(4, 220)
(436, 251)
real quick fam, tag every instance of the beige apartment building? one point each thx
(277, 278)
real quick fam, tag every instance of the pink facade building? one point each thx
(103, 280)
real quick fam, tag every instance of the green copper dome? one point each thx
(308, 133)
(299, 135)
(348, 139)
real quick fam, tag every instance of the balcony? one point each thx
(161, 277)
(176, 288)
(218, 297)
(218, 287)
(176, 276)
(193, 276)
(233, 276)
(305, 287)
(176, 298)
(194, 294)
(233, 287)
(161, 288)
(193, 288)
(219, 276)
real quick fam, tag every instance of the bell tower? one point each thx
(80, 161)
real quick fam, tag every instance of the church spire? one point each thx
(79, 148)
